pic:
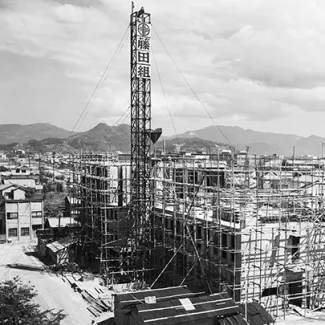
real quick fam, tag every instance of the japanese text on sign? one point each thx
(143, 47)
(144, 44)
(143, 71)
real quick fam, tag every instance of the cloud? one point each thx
(80, 3)
(80, 37)
(73, 14)
(247, 61)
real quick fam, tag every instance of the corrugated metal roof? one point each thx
(62, 243)
(256, 314)
(168, 308)
(137, 297)
(172, 311)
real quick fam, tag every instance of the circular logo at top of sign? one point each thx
(143, 29)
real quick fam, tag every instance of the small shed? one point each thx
(62, 251)
(176, 305)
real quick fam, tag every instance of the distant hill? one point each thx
(191, 145)
(44, 137)
(49, 144)
(20, 133)
(110, 138)
(102, 138)
(260, 142)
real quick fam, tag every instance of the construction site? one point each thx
(148, 227)
(254, 231)
(227, 222)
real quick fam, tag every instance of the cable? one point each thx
(122, 116)
(100, 81)
(117, 53)
(163, 90)
(116, 123)
(117, 126)
(192, 90)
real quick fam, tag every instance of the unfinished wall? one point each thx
(252, 227)
(255, 231)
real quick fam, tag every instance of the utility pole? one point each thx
(53, 160)
(39, 168)
(28, 159)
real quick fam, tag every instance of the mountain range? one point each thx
(260, 142)
(19, 133)
(41, 137)
(100, 138)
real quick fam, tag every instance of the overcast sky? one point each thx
(258, 64)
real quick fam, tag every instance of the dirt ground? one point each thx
(315, 319)
(53, 292)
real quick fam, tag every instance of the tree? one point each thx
(51, 211)
(30, 191)
(52, 187)
(17, 307)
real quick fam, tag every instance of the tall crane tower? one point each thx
(140, 30)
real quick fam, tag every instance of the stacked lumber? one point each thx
(98, 301)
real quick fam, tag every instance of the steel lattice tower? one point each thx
(140, 29)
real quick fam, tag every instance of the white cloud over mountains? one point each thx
(254, 63)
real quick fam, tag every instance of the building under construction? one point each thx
(254, 229)
(251, 226)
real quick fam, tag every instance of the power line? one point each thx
(116, 127)
(192, 90)
(163, 90)
(100, 80)
(117, 122)
(119, 49)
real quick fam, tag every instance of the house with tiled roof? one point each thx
(20, 214)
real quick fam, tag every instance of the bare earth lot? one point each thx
(53, 292)
(315, 319)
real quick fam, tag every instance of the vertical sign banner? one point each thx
(143, 49)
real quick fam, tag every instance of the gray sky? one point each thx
(257, 64)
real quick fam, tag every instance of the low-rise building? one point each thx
(21, 176)
(72, 207)
(20, 215)
(178, 305)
